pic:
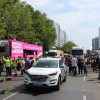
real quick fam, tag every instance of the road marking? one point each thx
(84, 97)
(97, 83)
(69, 91)
(10, 95)
(83, 90)
(84, 78)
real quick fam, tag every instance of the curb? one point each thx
(97, 83)
(9, 89)
(7, 79)
(5, 91)
(96, 80)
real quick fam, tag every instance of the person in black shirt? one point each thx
(1, 65)
(80, 66)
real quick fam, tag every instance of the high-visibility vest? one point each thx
(34, 60)
(19, 60)
(15, 63)
(11, 61)
(7, 63)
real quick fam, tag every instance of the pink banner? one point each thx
(17, 49)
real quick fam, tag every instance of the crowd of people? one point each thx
(77, 65)
(9, 65)
(80, 65)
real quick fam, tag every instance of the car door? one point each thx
(62, 68)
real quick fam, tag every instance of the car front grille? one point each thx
(41, 78)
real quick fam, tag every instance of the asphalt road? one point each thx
(76, 88)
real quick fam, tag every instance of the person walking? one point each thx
(14, 64)
(93, 64)
(28, 62)
(22, 66)
(85, 64)
(69, 65)
(74, 62)
(80, 66)
(7, 66)
(1, 65)
(10, 65)
(19, 63)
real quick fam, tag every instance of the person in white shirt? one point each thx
(74, 62)
(85, 65)
(22, 66)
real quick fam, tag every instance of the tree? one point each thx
(18, 19)
(67, 47)
(44, 30)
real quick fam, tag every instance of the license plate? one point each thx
(38, 83)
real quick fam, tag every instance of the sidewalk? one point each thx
(7, 84)
(3, 77)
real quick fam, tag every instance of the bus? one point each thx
(78, 51)
(55, 53)
(14, 48)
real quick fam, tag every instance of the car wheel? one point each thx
(65, 78)
(27, 87)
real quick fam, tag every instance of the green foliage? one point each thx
(18, 19)
(67, 47)
(44, 30)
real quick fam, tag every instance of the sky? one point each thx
(80, 19)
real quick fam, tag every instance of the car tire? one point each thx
(27, 87)
(65, 78)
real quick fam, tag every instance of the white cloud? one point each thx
(76, 19)
(79, 18)
(84, 4)
(38, 3)
(47, 6)
(60, 5)
(81, 27)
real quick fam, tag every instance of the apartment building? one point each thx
(61, 35)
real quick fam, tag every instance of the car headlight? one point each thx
(26, 73)
(52, 74)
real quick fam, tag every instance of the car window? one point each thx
(47, 64)
(61, 62)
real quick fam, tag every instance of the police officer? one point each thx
(7, 66)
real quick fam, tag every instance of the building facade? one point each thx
(95, 43)
(61, 38)
(99, 37)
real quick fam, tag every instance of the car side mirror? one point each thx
(61, 66)
(25, 71)
(33, 65)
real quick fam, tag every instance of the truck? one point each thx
(55, 53)
(15, 48)
(78, 51)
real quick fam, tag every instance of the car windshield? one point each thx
(2, 49)
(77, 52)
(46, 64)
(50, 54)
